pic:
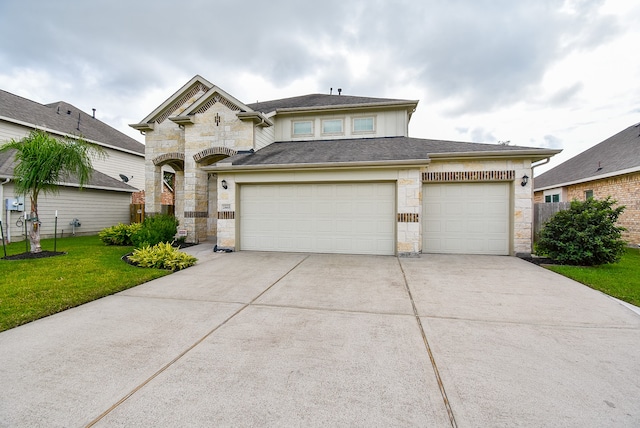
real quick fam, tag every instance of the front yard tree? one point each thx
(42, 163)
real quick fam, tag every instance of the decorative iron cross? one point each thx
(217, 119)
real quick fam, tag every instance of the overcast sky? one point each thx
(539, 73)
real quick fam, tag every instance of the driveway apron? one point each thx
(268, 339)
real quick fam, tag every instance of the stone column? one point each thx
(409, 203)
(153, 189)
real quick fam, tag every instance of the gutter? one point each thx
(379, 105)
(514, 154)
(64, 134)
(587, 179)
(321, 165)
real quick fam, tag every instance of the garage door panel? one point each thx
(332, 218)
(466, 218)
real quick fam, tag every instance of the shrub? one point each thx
(586, 234)
(162, 256)
(155, 229)
(120, 234)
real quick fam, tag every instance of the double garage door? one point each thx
(466, 218)
(346, 218)
(360, 218)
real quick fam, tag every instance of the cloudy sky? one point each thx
(540, 73)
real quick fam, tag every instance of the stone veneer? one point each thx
(409, 202)
(215, 126)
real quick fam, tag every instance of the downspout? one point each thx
(533, 182)
(8, 235)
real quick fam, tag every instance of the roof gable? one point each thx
(617, 154)
(191, 89)
(64, 119)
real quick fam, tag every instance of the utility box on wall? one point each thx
(16, 204)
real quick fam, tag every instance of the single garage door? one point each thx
(346, 218)
(466, 218)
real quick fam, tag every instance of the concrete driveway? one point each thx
(266, 339)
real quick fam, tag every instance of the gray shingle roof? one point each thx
(365, 150)
(7, 164)
(617, 153)
(321, 100)
(65, 118)
(98, 179)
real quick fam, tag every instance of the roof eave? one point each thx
(256, 117)
(534, 155)
(142, 127)
(66, 135)
(587, 179)
(182, 120)
(222, 167)
(408, 105)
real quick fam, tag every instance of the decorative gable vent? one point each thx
(458, 176)
(217, 99)
(182, 100)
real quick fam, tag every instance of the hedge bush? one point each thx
(119, 234)
(155, 229)
(586, 234)
(162, 256)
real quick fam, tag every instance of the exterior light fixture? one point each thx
(224, 184)
(525, 180)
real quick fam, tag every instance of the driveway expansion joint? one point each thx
(436, 372)
(190, 348)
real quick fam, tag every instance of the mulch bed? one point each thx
(540, 260)
(28, 256)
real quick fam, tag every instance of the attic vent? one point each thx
(461, 176)
(182, 100)
(217, 99)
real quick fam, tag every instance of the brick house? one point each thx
(610, 168)
(332, 173)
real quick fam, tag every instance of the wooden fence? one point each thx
(543, 212)
(137, 212)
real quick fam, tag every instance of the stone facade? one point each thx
(201, 125)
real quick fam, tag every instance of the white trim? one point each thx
(418, 163)
(74, 137)
(592, 178)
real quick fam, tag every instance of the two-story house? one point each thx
(107, 198)
(333, 173)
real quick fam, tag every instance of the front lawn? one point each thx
(620, 280)
(32, 289)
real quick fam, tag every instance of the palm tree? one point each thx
(42, 163)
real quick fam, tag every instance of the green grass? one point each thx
(620, 280)
(32, 289)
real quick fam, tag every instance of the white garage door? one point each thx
(347, 218)
(466, 218)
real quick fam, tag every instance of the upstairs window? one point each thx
(363, 124)
(302, 128)
(332, 126)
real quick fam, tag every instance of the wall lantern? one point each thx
(525, 180)
(224, 184)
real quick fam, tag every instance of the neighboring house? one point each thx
(332, 174)
(105, 201)
(610, 168)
